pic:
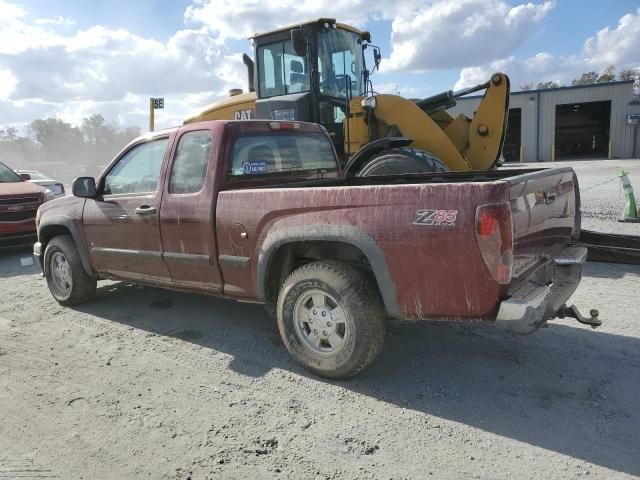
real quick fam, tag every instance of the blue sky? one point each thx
(73, 58)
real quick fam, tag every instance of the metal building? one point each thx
(589, 121)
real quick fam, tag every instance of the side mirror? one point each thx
(299, 42)
(84, 187)
(25, 176)
(377, 57)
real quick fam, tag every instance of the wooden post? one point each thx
(151, 114)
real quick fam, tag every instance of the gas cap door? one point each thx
(239, 235)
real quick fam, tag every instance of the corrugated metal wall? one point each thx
(621, 134)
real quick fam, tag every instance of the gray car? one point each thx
(53, 188)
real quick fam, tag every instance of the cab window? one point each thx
(189, 169)
(138, 170)
(281, 70)
(281, 154)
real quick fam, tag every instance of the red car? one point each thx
(19, 201)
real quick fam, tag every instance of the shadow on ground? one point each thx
(565, 388)
(10, 262)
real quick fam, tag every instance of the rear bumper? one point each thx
(534, 302)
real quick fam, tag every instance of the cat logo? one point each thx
(242, 115)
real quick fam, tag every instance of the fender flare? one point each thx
(359, 158)
(67, 222)
(330, 233)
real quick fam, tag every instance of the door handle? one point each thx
(146, 210)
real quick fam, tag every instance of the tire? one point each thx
(67, 280)
(397, 161)
(351, 311)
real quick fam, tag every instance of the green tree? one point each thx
(17, 151)
(543, 85)
(629, 74)
(608, 74)
(588, 78)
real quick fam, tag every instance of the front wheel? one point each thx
(331, 318)
(67, 280)
(399, 161)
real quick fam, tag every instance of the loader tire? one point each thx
(331, 318)
(397, 161)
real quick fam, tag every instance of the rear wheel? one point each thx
(331, 318)
(397, 161)
(67, 280)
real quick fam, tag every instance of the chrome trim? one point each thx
(533, 302)
(572, 256)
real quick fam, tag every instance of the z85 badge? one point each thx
(436, 217)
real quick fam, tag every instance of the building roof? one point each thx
(570, 87)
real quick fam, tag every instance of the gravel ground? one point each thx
(144, 383)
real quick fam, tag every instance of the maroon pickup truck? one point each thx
(261, 212)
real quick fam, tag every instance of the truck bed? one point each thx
(437, 270)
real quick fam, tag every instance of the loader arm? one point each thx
(462, 143)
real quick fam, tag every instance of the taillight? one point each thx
(494, 232)
(284, 125)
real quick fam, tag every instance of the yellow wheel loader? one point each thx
(316, 72)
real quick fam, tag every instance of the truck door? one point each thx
(187, 218)
(121, 226)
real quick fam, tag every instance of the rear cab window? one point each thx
(274, 154)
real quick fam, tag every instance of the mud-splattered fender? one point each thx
(54, 222)
(330, 233)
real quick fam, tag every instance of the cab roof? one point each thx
(344, 26)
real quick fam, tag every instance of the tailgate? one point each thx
(545, 207)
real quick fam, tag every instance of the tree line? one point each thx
(589, 78)
(61, 150)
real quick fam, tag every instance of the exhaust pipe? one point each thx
(249, 63)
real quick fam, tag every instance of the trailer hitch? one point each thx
(573, 312)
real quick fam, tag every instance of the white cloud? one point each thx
(425, 34)
(448, 34)
(59, 20)
(233, 19)
(107, 70)
(618, 46)
(8, 82)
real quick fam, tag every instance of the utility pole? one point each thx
(154, 103)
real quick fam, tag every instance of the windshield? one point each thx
(7, 175)
(340, 63)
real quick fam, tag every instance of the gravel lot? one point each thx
(144, 383)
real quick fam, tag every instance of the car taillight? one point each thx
(494, 233)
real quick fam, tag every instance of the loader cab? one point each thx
(309, 72)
